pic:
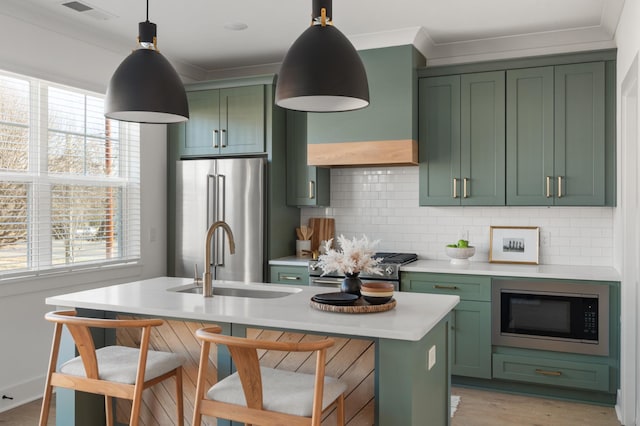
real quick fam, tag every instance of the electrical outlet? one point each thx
(431, 358)
(152, 234)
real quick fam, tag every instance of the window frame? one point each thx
(40, 237)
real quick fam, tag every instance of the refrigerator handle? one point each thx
(212, 209)
(221, 215)
(212, 200)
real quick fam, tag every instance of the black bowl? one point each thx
(377, 300)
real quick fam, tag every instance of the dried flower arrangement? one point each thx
(354, 256)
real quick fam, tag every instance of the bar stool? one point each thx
(266, 396)
(112, 371)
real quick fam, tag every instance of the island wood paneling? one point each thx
(352, 360)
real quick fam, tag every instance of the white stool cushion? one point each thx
(120, 364)
(282, 391)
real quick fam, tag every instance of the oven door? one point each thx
(334, 282)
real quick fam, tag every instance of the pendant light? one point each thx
(146, 88)
(322, 71)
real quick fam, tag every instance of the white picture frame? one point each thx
(514, 244)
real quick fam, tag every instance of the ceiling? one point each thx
(192, 33)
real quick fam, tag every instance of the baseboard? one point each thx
(22, 393)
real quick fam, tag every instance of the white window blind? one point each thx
(69, 180)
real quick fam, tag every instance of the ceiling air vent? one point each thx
(77, 6)
(87, 9)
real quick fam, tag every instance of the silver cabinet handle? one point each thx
(223, 138)
(455, 187)
(215, 136)
(559, 186)
(465, 192)
(548, 186)
(312, 190)
(289, 278)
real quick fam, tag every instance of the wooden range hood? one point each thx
(369, 153)
(383, 134)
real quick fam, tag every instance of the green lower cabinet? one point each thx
(554, 372)
(471, 320)
(471, 339)
(294, 275)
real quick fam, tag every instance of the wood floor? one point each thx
(482, 408)
(28, 414)
(476, 408)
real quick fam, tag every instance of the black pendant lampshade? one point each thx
(322, 71)
(145, 88)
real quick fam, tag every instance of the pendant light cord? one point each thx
(147, 10)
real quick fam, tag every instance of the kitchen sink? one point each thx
(236, 292)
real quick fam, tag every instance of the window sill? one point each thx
(91, 277)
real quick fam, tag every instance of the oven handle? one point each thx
(326, 282)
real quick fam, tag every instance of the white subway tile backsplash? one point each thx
(383, 204)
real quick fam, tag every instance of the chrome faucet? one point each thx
(207, 283)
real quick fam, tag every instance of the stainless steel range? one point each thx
(390, 265)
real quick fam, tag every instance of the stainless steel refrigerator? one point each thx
(229, 189)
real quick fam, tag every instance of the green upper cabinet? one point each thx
(306, 185)
(439, 140)
(482, 139)
(225, 121)
(462, 140)
(528, 132)
(556, 135)
(385, 132)
(580, 134)
(530, 135)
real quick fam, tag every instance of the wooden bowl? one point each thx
(382, 287)
(364, 292)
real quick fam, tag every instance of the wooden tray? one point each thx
(359, 307)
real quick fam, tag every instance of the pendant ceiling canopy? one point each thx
(145, 88)
(322, 71)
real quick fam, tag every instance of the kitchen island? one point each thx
(412, 372)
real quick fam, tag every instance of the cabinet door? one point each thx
(242, 126)
(482, 138)
(530, 174)
(439, 138)
(471, 339)
(306, 185)
(579, 134)
(202, 135)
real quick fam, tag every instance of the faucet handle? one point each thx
(196, 279)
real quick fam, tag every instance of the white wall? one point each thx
(383, 204)
(25, 337)
(626, 216)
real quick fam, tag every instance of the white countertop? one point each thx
(591, 273)
(568, 272)
(290, 261)
(413, 317)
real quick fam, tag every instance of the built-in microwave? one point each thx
(556, 316)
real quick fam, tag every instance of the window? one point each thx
(69, 180)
